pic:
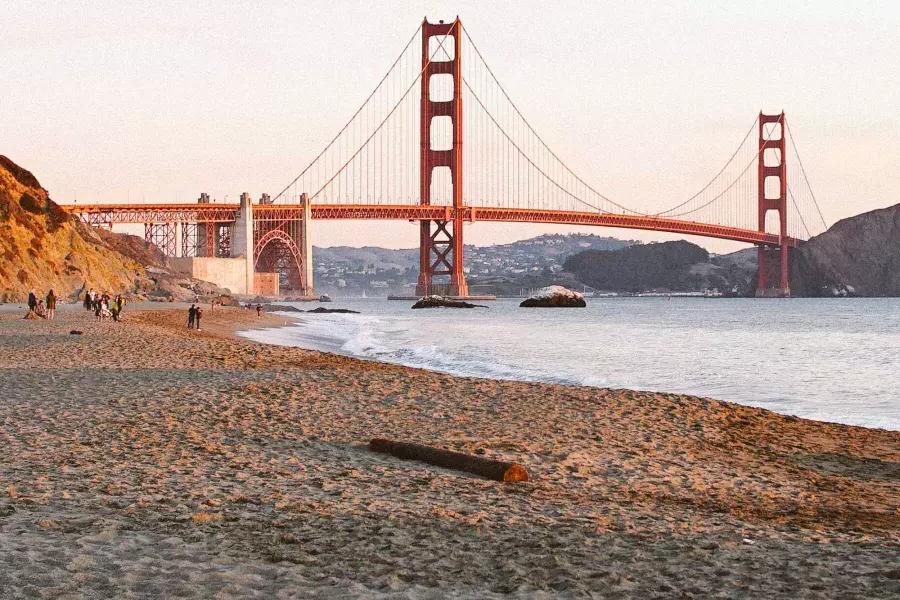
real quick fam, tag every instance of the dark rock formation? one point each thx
(441, 302)
(555, 296)
(857, 256)
(277, 308)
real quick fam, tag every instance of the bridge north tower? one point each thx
(441, 240)
(772, 268)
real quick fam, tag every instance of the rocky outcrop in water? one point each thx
(554, 296)
(857, 256)
(441, 302)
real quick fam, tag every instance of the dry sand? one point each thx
(143, 460)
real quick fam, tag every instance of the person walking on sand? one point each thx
(192, 316)
(32, 301)
(259, 310)
(118, 306)
(87, 299)
(51, 305)
(197, 314)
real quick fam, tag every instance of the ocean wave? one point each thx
(385, 340)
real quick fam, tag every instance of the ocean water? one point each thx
(828, 359)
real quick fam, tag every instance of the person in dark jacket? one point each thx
(32, 300)
(192, 316)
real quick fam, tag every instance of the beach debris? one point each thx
(554, 296)
(203, 517)
(327, 311)
(76, 332)
(441, 302)
(508, 472)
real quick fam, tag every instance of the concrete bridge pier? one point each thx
(242, 240)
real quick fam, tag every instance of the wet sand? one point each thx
(143, 460)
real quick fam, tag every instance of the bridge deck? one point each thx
(206, 213)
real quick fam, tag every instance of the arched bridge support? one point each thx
(282, 243)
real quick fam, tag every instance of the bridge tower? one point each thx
(772, 273)
(441, 248)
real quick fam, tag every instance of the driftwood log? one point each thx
(486, 467)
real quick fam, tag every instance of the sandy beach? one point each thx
(144, 460)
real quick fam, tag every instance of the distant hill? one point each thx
(541, 251)
(857, 256)
(497, 269)
(380, 258)
(665, 266)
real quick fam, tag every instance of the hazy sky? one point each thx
(162, 100)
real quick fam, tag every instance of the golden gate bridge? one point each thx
(411, 152)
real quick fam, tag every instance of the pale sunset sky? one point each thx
(159, 101)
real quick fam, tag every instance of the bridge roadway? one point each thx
(107, 214)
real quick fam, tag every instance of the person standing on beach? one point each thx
(197, 314)
(51, 305)
(32, 300)
(88, 300)
(192, 316)
(118, 307)
(259, 310)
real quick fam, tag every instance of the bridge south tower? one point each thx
(441, 240)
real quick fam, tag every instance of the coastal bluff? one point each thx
(857, 256)
(42, 247)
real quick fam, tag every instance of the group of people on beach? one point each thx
(104, 306)
(43, 308)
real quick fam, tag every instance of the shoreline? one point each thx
(293, 320)
(177, 450)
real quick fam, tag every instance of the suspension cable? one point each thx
(388, 116)
(536, 135)
(799, 212)
(802, 170)
(531, 162)
(716, 176)
(347, 124)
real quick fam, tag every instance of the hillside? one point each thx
(502, 269)
(666, 266)
(42, 248)
(858, 256)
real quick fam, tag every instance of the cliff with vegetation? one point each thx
(857, 256)
(42, 248)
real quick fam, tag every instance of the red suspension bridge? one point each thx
(411, 152)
